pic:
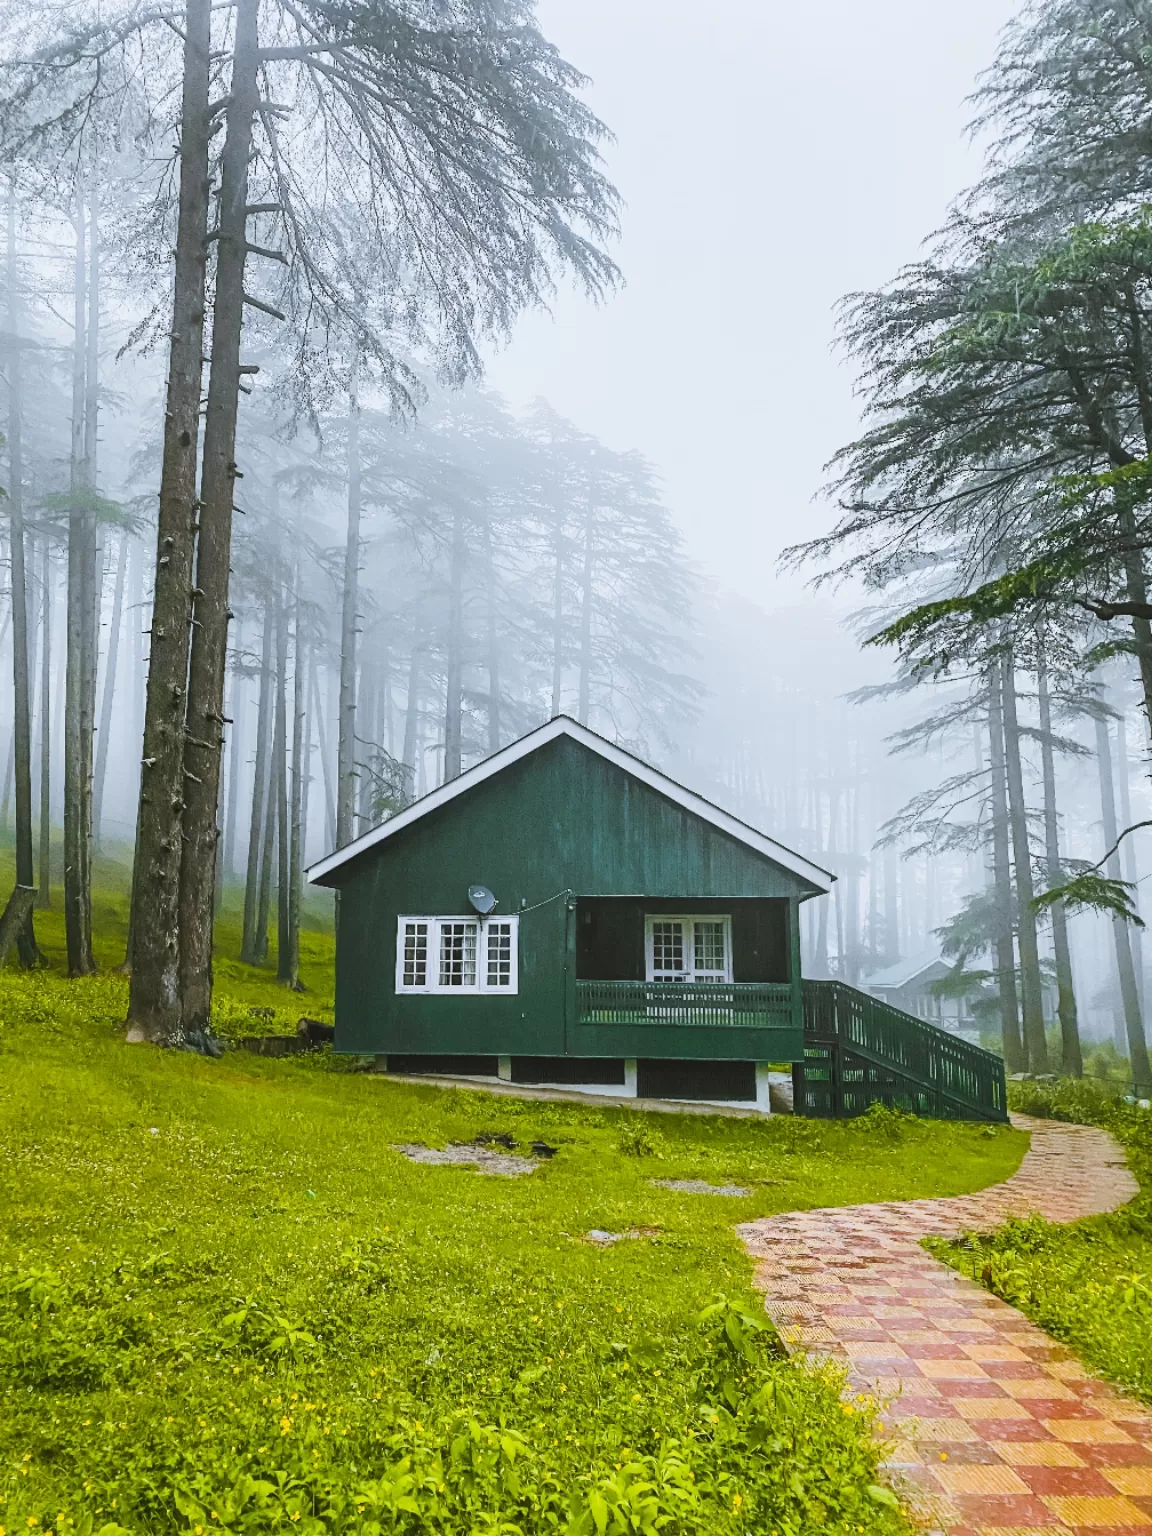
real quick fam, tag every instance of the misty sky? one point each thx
(772, 157)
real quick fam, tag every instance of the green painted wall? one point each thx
(562, 817)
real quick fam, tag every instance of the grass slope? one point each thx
(226, 1304)
(1089, 1283)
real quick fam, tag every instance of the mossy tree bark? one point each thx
(204, 737)
(154, 1005)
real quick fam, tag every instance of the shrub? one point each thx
(638, 1137)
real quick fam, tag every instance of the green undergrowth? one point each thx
(1088, 1283)
(248, 999)
(228, 1304)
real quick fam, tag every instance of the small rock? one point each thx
(603, 1239)
(701, 1187)
(480, 1158)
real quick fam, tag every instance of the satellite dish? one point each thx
(482, 899)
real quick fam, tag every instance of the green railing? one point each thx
(859, 1051)
(729, 1005)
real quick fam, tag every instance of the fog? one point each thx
(426, 566)
(772, 158)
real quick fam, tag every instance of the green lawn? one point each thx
(226, 1304)
(1089, 1283)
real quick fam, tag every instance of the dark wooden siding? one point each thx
(610, 935)
(562, 818)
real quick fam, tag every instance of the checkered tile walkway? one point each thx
(998, 1430)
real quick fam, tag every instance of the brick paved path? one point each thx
(999, 1431)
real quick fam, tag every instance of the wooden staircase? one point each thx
(859, 1051)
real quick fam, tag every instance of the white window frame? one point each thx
(432, 984)
(692, 972)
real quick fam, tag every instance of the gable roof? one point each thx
(564, 725)
(906, 971)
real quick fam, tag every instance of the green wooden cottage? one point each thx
(564, 914)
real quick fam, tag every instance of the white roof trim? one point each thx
(563, 725)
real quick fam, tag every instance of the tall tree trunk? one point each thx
(1014, 1058)
(851, 966)
(280, 779)
(21, 694)
(1126, 971)
(493, 643)
(820, 966)
(1031, 986)
(228, 714)
(8, 770)
(45, 895)
(1136, 582)
(1128, 855)
(77, 740)
(322, 748)
(253, 942)
(15, 918)
(305, 792)
(264, 900)
(154, 1005)
(346, 740)
(204, 737)
(93, 587)
(454, 688)
(558, 621)
(1071, 1061)
(105, 732)
(585, 698)
(289, 966)
(367, 698)
(891, 906)
(412, 714)
(235, 758)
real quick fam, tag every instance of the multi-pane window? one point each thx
(667, 950)
(456, 954)
(414, 954)
(710, 950)
(499, 937)
(690, 949)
